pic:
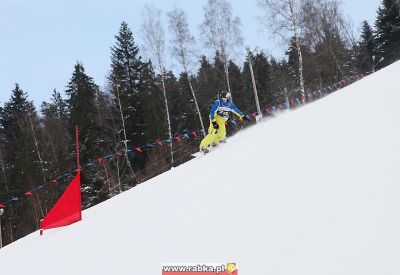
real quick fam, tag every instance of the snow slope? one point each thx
(314, 191)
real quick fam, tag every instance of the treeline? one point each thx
(144, 103)
(322, 45)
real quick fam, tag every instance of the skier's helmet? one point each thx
(225, 95)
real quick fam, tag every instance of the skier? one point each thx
(219, 114)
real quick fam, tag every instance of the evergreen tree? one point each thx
(280, 79)
(55, 119)
(185, 106)
(22, 171)
(126, 64)
(127, 81)
(57, 108)
(387, 27)
(154, 106)
(82, 93)
(219, 74)
(174, 102)
(310, 67)
(366, 49)
(136, 105)
(240, 98)
(206, 88)
(17, 107)
(262, 76)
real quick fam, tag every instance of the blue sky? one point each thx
(41, 40)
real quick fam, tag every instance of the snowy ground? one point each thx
(314, 191)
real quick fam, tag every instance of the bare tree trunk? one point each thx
(183, 45)
(40, 160)
(195, 101)
(53, 151)
(336, 61)
(34, 206)
(153, 34)
(36, 216)
(116, 141)
(298, 47)
(125, 137)
(3, 169)
(118, 176)
(166, 108)
(253, 80)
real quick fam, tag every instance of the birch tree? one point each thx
(326, 27)
(154, 45)
(183, 48)
(283, 17)
(221, 32)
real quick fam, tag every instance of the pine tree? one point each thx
(280, 79)
(206, 87)
(191, 116)
(55, 120)
(132, 83)
(126, 63)
(174, 102)
(240, 98)
(219, 74)
(154, 106)
(18, 106)
(22, 171)
(293, 61)
(366, 49)
(387, 27)
(262, 75)
(82, 93)
(57, 108)
(183, 116)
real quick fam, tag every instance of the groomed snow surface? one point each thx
(313, 191)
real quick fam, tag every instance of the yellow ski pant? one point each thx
(214, 135)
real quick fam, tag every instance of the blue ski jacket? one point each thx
(222, 109)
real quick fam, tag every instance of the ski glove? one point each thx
(215, 125)
(245, 118)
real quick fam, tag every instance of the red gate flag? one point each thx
(68, 208)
